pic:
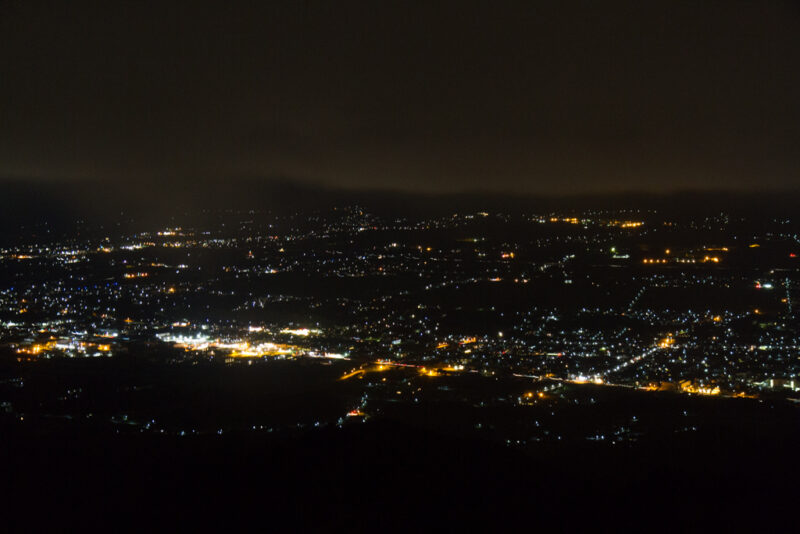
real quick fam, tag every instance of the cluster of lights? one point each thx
(237, 349)
(581, 379)
(705, 259)
(700, 390)
(71, 347)
(303, 332)
(666, 343)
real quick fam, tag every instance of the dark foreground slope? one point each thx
(389, 476)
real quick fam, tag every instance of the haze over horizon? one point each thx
(542, 98)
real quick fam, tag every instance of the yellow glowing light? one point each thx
(352, 374)
(304, 332)
(666, 342)
(700, 390)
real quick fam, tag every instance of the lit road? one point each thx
(632, 361)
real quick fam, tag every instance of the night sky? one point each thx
(536, 97)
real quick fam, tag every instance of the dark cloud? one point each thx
(534, 97)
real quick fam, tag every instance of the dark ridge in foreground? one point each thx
(386, 475)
